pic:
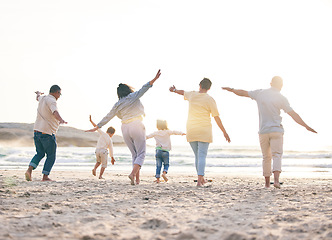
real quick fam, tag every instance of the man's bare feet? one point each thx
(276, 185)
(267, 182)
(46, 179)
(132, 180)
(28, 176)
(101, 177)
(164, 177)
(94, 172)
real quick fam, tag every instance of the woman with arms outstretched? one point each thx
(199, 128)
(131, 111)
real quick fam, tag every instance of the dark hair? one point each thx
(162, 125)
(54, 89)
(205, 84)
(124, 90)
(110, 130)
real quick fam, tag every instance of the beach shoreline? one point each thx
(79, 206)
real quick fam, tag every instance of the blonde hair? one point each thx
(162, 125)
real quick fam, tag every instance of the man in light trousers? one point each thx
(270, 101)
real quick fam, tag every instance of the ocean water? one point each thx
(239, 159)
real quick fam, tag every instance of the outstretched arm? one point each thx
(155, 78)
(136, 95)
(239, 92)
(173, 89)
(296, 117)
(59, 118)
(38, 94)
(95, 125)
(221, 126)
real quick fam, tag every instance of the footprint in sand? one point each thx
(154, 224)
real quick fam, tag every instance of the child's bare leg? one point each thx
(95, 168)
(133, 173)
(157, 180)
(164, 176)
(101, 172)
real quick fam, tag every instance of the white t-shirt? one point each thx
(105, 142)
(163, 139)
(46, 121)
(270, 101)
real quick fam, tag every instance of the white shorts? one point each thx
(102, 156)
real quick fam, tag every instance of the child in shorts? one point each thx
(103, 145)
(163, 146)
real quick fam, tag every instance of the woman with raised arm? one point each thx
(131, 111)
(199, 127)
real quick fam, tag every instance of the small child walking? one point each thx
(163, 146)
(104, 143)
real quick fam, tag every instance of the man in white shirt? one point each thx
(270, 101)
(46, 125)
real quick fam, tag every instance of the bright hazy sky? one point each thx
(89, 47)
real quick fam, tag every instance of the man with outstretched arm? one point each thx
(270, 101)
(46, 125)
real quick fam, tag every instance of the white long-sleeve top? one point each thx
(105, 142)
(163, 139)
(128, 107)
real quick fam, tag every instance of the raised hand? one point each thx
(156, 77)
(172, 88)
(39, 93)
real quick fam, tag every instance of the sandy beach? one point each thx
(79, 206)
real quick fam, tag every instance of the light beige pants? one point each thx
(272, 148)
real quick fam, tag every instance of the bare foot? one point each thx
(204, 181)
(47, 179)
(28, 176)
(94, 172)
(101, 177)
(200, 183)
(132, 181)
(164, 177)
(157, 180)
(137, 181)
(267, 182)
(276, 185)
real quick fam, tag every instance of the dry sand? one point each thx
(79, 206)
